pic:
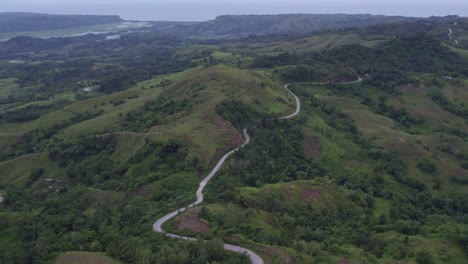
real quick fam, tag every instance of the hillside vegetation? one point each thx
(100, 138)
(242, 25)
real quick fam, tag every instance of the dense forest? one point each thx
(100, 137)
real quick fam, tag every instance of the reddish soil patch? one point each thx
(282, 255)
(221, 123)
(410, 89)
(141, 191)
(208, 72)
(83, 258)
(459, 172)
(310, 195)
(191, 222)
(311, 145)
(344, 261)
(401, 145)
(235, 141)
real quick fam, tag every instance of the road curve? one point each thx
(359, 79)
(450, 35)
(157, 226)
(298, 103)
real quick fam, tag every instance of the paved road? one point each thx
(1, 198)
(359, 79)
(450, 35)
(356, 81)
(157, 226)
(298, 103)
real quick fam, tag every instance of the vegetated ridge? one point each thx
(243, 25)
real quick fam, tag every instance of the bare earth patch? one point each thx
(310, 195)
(410, 89)
(282, 255)
(84, 258)
(311, 145)
(191, 222)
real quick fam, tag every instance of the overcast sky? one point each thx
(197, 10)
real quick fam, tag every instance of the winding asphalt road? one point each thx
(359, 79)
(450, 35)
(298, 103)
(157, 226)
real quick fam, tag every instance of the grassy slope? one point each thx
(7, 87)
(412, 148)
(17, 171)
(206, 133)
(307, 44)
(341, 156)
(461, 52)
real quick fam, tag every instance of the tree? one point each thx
(424, 257)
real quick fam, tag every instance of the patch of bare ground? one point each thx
(208, 72)
(403, 146)
(410, 88)
(231, 133)
(280, 255)
(310, 195)
(142, 191)
(344, 261)
(276, 253)
(459, 172)
(83, 258)
(191, 222)
(311, 145)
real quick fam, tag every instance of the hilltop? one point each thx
(244, 25)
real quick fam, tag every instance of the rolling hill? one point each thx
(244, 25)
(101, 137)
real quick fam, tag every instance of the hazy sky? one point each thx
(192, 10)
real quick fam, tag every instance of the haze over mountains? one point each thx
(205, 10)
(47, 25)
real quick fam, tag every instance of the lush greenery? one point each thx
(100, 137)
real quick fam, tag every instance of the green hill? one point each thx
(243, 25)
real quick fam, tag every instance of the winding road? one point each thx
(359, 79)
(450, 35)
(157, 226)
(298, 103)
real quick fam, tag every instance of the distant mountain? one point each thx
(241, 25)
(24, 22)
